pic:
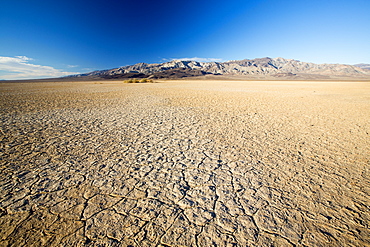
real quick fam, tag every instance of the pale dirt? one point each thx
(185, 163)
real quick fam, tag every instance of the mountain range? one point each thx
(259, 68)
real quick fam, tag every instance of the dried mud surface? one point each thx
(185, 163)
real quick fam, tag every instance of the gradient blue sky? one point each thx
(40, 38)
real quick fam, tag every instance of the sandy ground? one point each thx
(185, 163)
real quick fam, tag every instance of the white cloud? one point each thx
(18, 67)
(199, 59)
(24, 58)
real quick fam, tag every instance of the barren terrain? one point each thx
(185, 163)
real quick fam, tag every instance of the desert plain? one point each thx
(185, 163)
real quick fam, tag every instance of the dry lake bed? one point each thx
(185, 163)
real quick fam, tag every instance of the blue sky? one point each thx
(41, 38)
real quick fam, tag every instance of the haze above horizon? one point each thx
(56, 38)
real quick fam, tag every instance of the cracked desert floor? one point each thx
(185, 163)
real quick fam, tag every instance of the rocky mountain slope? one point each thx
(259, 67)
(363, 66)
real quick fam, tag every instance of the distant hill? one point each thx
(363, 66)
(259, 68)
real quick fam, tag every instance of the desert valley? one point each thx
(206, 160)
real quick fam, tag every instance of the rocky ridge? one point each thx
(259, 67)
(363, 66)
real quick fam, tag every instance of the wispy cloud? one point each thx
(89, 69)
(198, 59)
(72, 66)
(18, 67)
